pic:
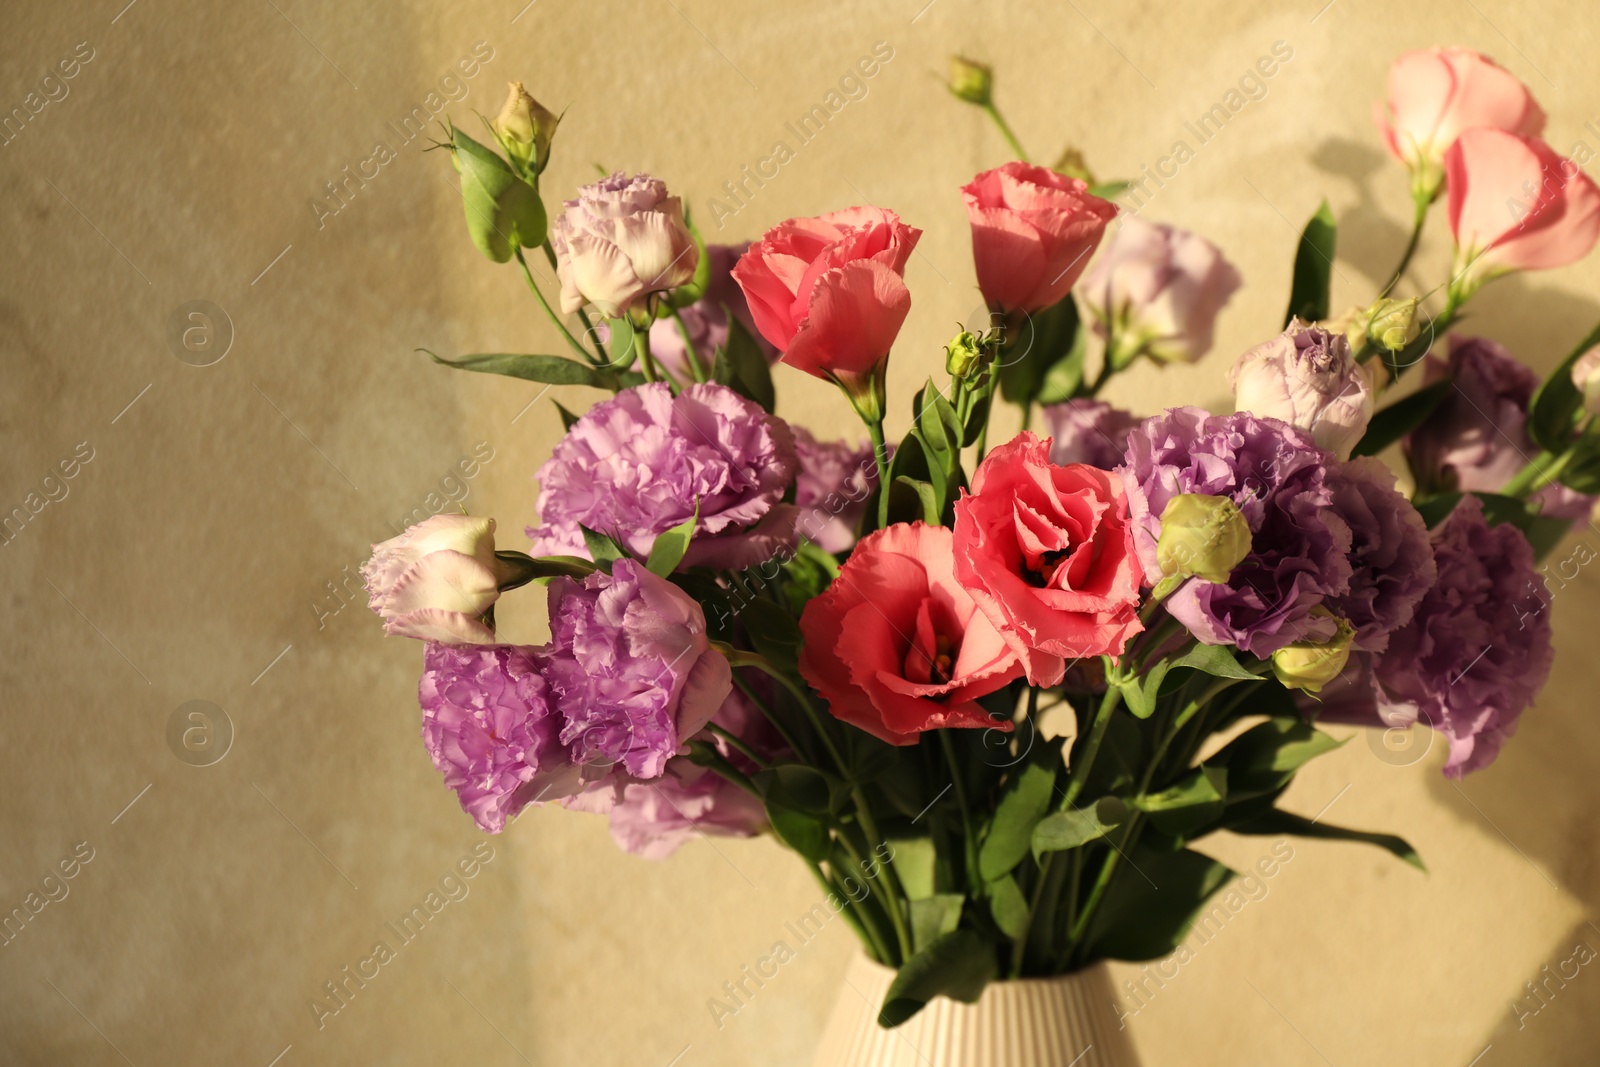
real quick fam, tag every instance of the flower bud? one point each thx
(1073, 165)
(964, 355)
(1312, 665)
(1391, 324)
(1586, 376)
(525, 128)
(1202, 536)
(971, 81)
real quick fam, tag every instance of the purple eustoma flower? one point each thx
(493, 730)
(831, 489)
(1088, 431)
(630, 666)
(1391, 557)
(1474, 656)
(1278, 478)
(638, 464)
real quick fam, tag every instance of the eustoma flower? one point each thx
(621, 240)
(1476, 439)
(1033, 231)
(1088, 431)
(1307, 377)
(632, 668)
(641, 463)
(1435, 94)
(436, 580)
(1476, 652)
(652, 819)
(831, 489)
(829, 293)
(896, 646)
(706, 320)
(1157, 290)
(1277, 477)
(1047, 553)
(1391, 559)
(1515, 204)
(493, 729)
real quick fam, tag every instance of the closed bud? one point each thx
(1586, 376)
(1391, 324)
(1073, 165)
(1202, 536)
(1311, 665)
(525, 128)
(964, 355)
(971, 81)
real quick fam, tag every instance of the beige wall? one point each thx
(187, 561)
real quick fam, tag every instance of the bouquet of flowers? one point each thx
(992, 697)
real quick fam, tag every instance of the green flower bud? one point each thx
(1309, 665)
(1391, 324)
(525, 128)
(1073, 165)
(1202, 536)
(971, 81)
(964, 355)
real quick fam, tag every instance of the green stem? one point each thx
(727, 771)
(1541, 470)
(691, 354)
(1027, 413)
(880, 456)
(880, 945)
(749, 753)
(1005, 131)
(548, 310)
(893, 891)
(741, 658)
(831, 890)
(969, 839)
(1079, 774)
(766, 709)
(1411, 245)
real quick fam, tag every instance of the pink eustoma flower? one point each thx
(1033, 231)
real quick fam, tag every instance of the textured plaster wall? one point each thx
(191, 557)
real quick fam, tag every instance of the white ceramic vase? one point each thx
(1066, 1021)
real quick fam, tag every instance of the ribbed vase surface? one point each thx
(1036, 1022)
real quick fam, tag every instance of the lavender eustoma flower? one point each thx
(831, 489)
(492, 728)
(1477, 437)
(630, 666)
(1277, 477)
(621, 240)
(1390, 555)
(1088, 431)
(640, 463)
(1475, 654)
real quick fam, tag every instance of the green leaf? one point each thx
(934, 916)
(1140, 691)
(503, 211)
(1264, 757)
(1282, 822)
(669, 547)
(941, 430)
(602, 549)
(912, 499)
(914, 862)
(1062, 830)
(1582, 471)
(551, 370)
(623, 343)
(956, 965)
(774, 633)
(1062, 380)
(810, 572)
(1193, 802)
(1109, 190)
(567, 417)
(1152, 903)
(802, 788)
(695, 288)
(1556, 406)
(742, 367)
(1401, 417)
(1031, 350)
(1008, 907)
(804, 833)
(1313, 268)
(1021, 806)
(1215, 660)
